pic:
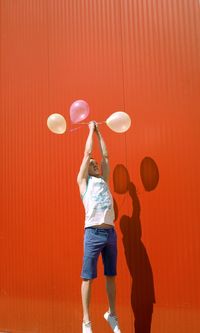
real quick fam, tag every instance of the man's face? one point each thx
(93, 168)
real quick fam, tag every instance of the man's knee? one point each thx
(110, 277)
(88, 281)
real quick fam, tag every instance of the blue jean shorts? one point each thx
(98, 241)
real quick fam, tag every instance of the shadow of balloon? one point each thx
(142, 290)
(149, 173)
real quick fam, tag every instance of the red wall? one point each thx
(138, 56)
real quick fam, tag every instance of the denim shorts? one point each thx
(98, 241)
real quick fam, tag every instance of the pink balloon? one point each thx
(79, 110)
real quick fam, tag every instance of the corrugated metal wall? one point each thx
(139, 56)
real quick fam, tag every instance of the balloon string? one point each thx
(76, 128)
(99, 122)
(83, 123)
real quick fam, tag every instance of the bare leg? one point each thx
(86, 293)
(111, 292)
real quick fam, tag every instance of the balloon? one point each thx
(57, 123)
(79, 110)
(119, 122)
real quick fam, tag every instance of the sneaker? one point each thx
(87, 327)
(113, 321)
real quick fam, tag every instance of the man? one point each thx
(100, 235)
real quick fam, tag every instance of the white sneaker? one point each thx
(113, 321)
(87, 327)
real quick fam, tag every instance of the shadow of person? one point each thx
(142, 290)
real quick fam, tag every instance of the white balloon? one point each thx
(57, 123)
(119, 122)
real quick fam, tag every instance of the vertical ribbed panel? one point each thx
(138, 56)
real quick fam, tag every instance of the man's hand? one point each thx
(97, 129)
(92, 125)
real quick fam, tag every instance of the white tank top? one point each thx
(98, 203)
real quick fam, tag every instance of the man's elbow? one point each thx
(105, 157)
(87, 153)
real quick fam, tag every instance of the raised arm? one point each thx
(83, 172)
(104, 153)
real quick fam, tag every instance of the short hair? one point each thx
(92, 158)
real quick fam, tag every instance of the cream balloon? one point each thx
(57, 123)
(119, 122)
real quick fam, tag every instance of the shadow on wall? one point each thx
(142, 291)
